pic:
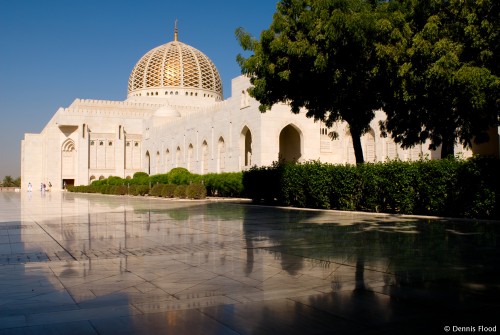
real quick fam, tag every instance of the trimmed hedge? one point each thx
(168, 190)
(164, 185)
(180, 191)
(450, 187)
(196, 191)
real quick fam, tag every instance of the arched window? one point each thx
(167, 160)
(204, 159)
(178, 157)
(369, 146)
(246, 147)
(190, 162)
(68, 160)
(157, 164)
(221, 155)
(148, 162)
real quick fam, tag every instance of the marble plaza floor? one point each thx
(96, 264)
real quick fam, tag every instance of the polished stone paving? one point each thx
(96, 264)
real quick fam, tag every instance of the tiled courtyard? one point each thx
(96, 264)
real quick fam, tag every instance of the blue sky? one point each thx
(54, 51)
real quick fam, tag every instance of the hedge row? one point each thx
(191, 191)
(451, 187)
(179, 182)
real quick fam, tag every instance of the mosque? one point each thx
(175, 116)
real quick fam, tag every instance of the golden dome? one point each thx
(175, 66)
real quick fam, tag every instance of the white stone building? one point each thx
(175, 116)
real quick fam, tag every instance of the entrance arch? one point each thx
(68, 162)
(290, 144)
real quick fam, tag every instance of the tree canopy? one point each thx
(319, 55)
(444, 73)
(431, 65)
(8, 181)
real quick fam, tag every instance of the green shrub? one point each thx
(180, 191)
(228, 184)
(179, 176)
(196, 191)
(156, 190)
(140, 175)
(142, 189)
(138, 189)
(263, 183)
(449, 187)
(159, 179)
(168, 191)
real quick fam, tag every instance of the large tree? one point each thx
(319, 55)
(444, 74)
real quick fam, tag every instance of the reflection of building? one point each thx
(175, 116)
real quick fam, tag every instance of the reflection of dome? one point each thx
(174, 69)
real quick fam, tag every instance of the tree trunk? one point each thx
(447, 148)
(356, 143)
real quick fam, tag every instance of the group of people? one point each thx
(43, 187)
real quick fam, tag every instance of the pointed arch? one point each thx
(290, 141)
(204, 157)
(246, 147)
(68, 161)
(148, 162)
(167, 160)
(158, 162)
(369, 146)
(178, 157)
(221, 155)
(190, 162)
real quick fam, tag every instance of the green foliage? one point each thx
(168, 191)
(321, 55)
(180, 191)
(159, 179)
(443, 73)
(228, 184)
(140, 175)
(263, 183)
(452, 187)
(139, 178)
(138, 190)
(179, 176)
(8, 181)
(163, 185)
(156, 190)
(196, 191)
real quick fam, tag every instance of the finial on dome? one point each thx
(176, 31)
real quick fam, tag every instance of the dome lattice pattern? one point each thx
(175, 64)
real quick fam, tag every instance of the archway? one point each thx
(290, 148)
(157, 165)
(221, 155)
(190, 161)
(204, 157)
(148, 162)
(177, 157)
(246, 146)
(167, 160)
(68, 163)
(369, 147)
